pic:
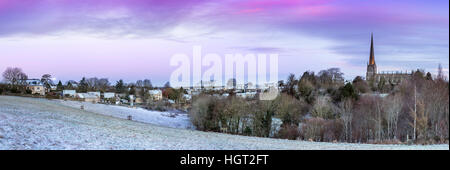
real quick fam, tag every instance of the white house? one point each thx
(70, 93)
(187, 96)
(269, 85)
(88, 97)
(96, 93)
(109, 95)
(246, 95)
(155, 94)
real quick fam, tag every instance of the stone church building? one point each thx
(388, 77)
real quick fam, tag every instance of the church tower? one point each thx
(371, 67)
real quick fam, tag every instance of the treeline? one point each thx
(324, 108)
(15, 84)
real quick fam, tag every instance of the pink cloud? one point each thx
(284, 3)
(246, 11)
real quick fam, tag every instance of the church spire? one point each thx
(372, 54)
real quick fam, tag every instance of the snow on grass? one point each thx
(167, 119)
(28, 123)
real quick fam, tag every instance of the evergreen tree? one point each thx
(167, 85)
(132, 90)
(69, 85)
(428, 76)
(120, 87)
(60, 86)
(83, 85)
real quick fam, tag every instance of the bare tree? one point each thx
(393, 106)
(139, 83)
(379, 120)
(290, 84)
(147, 84)
(331, 77)
(14, 76)
(322, 108)
(346, 109)
(102, 84)
(290, 109)
(91, 82)
(420, 123)
(47, 80)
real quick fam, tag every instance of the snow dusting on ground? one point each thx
(30, 123)
(167, 119)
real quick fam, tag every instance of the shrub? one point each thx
(288, 132)
(290, 110)
(332, 130)
(312, 129)
(203, 114)
(14, 90)
(323, 108)
(28, 91)
(247, 131)
(159, 106)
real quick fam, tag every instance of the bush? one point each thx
(14, 90)
(288, 132)
(318, 129)
(247, 131)
(290, 110)
(52, 96)
(159, 106)
(323, 108)
(28, 91)
(312, 129)
(203, 114)
(332, 130)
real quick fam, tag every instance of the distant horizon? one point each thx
(162, 83)
(135, 39)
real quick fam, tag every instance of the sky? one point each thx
(135, 39)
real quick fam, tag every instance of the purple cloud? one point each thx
(315, 31)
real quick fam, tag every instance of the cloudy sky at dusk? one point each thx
(134, 39)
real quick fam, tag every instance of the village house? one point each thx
(138, 100)
(36, 86)
(155, 95)
(96, 93)
(109, 95)
(246, 94)
(88, 97)
(121, 95)
(53, 88)
(187, 96)
(69, 93)
(269, 85)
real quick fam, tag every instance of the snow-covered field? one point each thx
(167, 119)
(29, 123)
